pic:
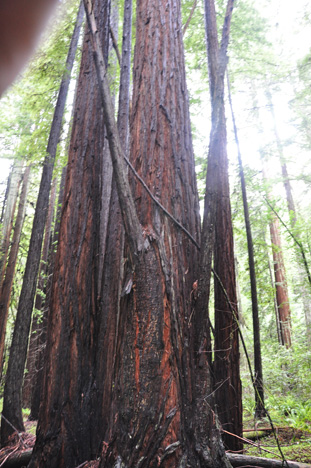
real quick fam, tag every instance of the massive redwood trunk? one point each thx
(302, 266)
(12, 404)
(149, 403)
(66, 436)
(280, 282)
(143, 382)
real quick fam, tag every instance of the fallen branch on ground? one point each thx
(237, 460)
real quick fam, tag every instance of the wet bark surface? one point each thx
(65, 434)
(151, 373)
(12, 405)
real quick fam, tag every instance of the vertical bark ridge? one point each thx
(66, 436)
(150, 376)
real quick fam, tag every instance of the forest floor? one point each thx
(295, 443)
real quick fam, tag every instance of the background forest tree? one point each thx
(105, 278)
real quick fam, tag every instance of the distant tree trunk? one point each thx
(8, 215)
(218, 237)
(12, 404)
(305, 292)
(37, 321)
(69, 385)
(5, 294)
(258, 380)
(276, 310)
(280, 284)
(6, 193)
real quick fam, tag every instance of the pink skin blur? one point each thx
(21, 22)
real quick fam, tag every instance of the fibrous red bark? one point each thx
(66, 436)
(280, 284)
(12, 404)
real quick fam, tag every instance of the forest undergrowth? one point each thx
(295, 443)
(290, 419)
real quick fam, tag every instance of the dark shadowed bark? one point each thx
(150, 417)
(151, 375)
(113, 267)
(37, 320)
(6, 289)
(66, 436)
(41, 342)
(217, 238)
(12, 404)
(149, 335)
(258, 382)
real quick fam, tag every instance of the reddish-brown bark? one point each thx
(280, 284)
(39, 365)
(12, 403)
(152, 385)
(66, 436)
(142, 382)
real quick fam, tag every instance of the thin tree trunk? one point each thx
(37, 321)
(305, 293)
(107, 169)
(275, 305)
(12, 404)
(37, 388)
(111, 287)
(8, 216)
(8, 183)
(6, 289)
(258, 382)
(280, 284)
(218, 238)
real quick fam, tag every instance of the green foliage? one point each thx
(27, 109)
(301, 104)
